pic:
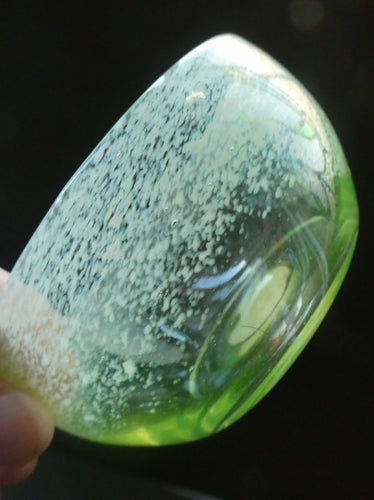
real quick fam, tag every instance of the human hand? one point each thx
(26, 429)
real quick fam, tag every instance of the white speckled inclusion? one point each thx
(175, 242)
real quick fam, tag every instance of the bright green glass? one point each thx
(189, 260)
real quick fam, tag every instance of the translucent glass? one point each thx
(189, 260)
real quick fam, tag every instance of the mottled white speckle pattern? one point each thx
(121, 302)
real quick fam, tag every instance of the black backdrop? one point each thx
(67, 72)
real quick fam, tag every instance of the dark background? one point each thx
(67, 73)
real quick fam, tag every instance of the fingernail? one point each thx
(26, 428)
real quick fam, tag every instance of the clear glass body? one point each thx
(190, 258)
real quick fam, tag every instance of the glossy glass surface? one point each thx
(190, 258)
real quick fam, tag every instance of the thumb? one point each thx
(26, 430)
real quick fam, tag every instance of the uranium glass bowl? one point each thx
(189, 260)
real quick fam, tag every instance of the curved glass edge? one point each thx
(296, 347)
